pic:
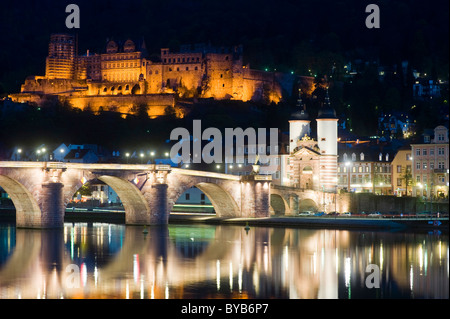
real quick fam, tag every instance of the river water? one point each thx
(99, 260)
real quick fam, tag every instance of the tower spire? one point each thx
(327, 99)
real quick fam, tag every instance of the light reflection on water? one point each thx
(99, 260)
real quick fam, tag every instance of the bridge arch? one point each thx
(27, 208)
(308, 204)
(220, 197)
(278, 204)
(137, 210)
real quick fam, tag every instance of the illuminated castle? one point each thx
(124, 75)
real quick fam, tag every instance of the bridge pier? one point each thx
(158, 205)
(256, 196)
(50, 214)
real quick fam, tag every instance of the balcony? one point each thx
(439, 171)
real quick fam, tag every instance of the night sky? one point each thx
(274, 33)
(286, 35)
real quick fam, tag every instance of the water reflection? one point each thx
(199, 261)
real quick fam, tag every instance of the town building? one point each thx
(430, 167)
(402, 178)
(365, 168)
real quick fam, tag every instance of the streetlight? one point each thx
(127, 155)
(348, 164)
(19, 151)
(152, 154)
(142, 156)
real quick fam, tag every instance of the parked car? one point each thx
(307, 213)
(347, 214)
(319, 214)
(375, 214)
(333, 214)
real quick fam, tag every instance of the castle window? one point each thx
(178, 69)
(156, 72)
(196, 68)
(323, 139)
(223, 85)
(221, 76)
(198, 59)
(187, 68)
(183, 60)
(187, 59)
(178, 60)
(226, 58)
(170, 60)
(165, 60)
(170, 69)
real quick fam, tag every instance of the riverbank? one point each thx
(428, 224)
(323, 222)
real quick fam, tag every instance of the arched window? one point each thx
(361, 156)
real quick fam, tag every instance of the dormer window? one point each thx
(361, 156)
(353, 157)
(380, 157)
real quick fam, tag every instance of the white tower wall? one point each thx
(327, 135)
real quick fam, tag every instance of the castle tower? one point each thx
(60, 63)
(298, 124)
(327, 129)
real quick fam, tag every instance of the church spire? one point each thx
(327, 99)
(300, 113)
(327, 110)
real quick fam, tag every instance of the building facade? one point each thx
(402, 178)
(125, 69)
(312, 163)
(365, 169)
(430, 167)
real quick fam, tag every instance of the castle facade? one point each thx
(126, 69)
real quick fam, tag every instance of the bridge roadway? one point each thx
(41, 191)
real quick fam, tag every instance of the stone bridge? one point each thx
(291, 201)
(41, 191)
